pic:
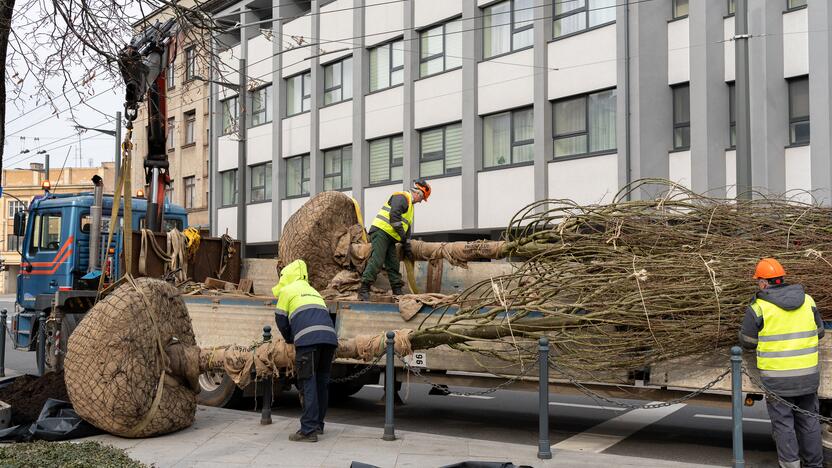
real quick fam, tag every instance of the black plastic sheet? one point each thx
(57, 421)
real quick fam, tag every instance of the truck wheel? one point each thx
(55, 361)
(216, 389)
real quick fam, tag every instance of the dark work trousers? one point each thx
(797, 436)
(313, 365)
(383, 254)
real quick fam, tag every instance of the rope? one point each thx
(126, 150)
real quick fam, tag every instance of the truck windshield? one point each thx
(46, 232)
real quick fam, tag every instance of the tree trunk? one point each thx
(6, 10)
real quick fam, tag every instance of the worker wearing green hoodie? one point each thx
(303, 319)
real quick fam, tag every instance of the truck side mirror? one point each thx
(19, 223)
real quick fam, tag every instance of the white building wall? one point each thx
(227, 221)
(496, 206)
(259, 144)
(295, 55)
(384, 112)
(582, 63)
(586, 180)
(678, 51)
(796, 42)
(260, 58)
(443, 212)
(428, 12)
(679, 170)
(336, 125)
(799, 173)
(228, 147)
(336, 30)
(289, 207)
(438, 99)
(258, 217)
(730, 173)
(296, 135)
(728, 48)
(506, 82)
(375, 198)
(383, 21)
(229, 62)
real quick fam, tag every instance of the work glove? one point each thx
(407, 250)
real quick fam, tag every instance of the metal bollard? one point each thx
(544, 448)
(736, 405)
(266, 411)
(3, 314)
(42, 343)
(389, 390)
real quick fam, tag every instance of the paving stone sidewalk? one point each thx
(228, 438)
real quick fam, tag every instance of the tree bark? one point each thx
(6, 10)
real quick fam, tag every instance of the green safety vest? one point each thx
(788, 343)
(382, 219)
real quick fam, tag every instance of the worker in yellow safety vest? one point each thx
(392, 224)
(783, 324)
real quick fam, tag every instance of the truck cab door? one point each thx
(48, 257)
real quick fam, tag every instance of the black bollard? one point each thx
(389, 390)
(544, 448)
(736, 405)
(3, 314)
(266, 412)
(42, 343)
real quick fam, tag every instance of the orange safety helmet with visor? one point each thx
(769, 269)
(422, 186)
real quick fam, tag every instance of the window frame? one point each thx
(512, 142)
(732, 7)
(190, 63)
(340, 86)
(791, 7)
(37, 227)
(170, 74)
(304, 177)
(189, 192)
(512, 30)
(391, 68)
(444, 54)
(340, 174)
(267, 110)
(22, 205)
(12, 239)
(674, 8)
(673, 116)
(555, 136)
(584, 10)
(303, 94)
(443, 157)
(233, 202)
(170, 134)
(190, 125)
(801, 119)
(235, 116)
(267, 186)
(732, 115)
(389, 180)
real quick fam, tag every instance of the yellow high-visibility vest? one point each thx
(382, 219)
(788, 343)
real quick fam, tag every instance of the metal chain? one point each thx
(596, 396)
(357, 374)
(792, 406)
(418, 373)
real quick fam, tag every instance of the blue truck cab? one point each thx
(55, 253)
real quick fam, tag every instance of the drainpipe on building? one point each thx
(741, 37)
(628, 157)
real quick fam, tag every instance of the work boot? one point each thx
(301, 437)
(397, 291)
(364, 292)
(319, 431)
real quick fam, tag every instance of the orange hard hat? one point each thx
(423, 186)
(769, 268)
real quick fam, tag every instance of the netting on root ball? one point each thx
(114, 367)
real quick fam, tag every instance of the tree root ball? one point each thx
(312, 235)
(113, 362)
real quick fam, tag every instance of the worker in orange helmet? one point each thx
(783, 325)
(392, 224)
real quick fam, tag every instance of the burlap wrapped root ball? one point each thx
(113, 362)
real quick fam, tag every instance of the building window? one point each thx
(190, 127)
(298, 93)
(507, 26)
(680, 9)
(681, 117)
(796, 4)
(585, 124)
(732, 7)
(338, 168)
(189, 184)
(338, 81)
(799, 111)
(230, 114)
(572, 16)
(190, 63)
(169, 193)
(261, 182)
(732, 115)
(47, 233)
(16, 206)
(171, 130)
(261, 106)
(297, 176)
(508, 138)
(12, 242)
(170, 73)
(387, 65)
(441, 151)
(386, 159)
(441, 48)
(229, 187)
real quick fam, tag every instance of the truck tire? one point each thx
(216, 389)
(53, 362)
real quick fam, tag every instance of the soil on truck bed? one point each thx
(27, 394)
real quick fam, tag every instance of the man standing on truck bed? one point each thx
(784, 325)
(392, 224)
(303, 319)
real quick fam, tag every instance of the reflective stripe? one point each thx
(386, 208)
(790, 336)
(790, 373)
(306, 307)
(749, 339)
(791, 464)
(790, 353)
(281, 312)
(314, 328)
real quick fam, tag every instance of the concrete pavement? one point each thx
(229, 438)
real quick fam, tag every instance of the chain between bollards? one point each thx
(389, 389)
(544, 448)
(42, 343)
(736, 406)
(3, 315)
(266, 411)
